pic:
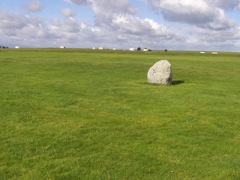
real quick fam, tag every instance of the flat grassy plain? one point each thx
(82, 114)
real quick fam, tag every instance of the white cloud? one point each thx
(111, 6)
(22, 29)
(34, 6)
(69, 25)
(200, 13)
(220, 22)
(104, 7)
(15, 21)
(107, 8)
(68, 12)
(228, 5)
(133, 25)
(77, 2)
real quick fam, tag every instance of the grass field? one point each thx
(81, 114)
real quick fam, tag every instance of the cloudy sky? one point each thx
(156, 24)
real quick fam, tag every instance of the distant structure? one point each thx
(114, 49)
(93, 48)
(131, 49)
(17, 47)
(145, 49)
(202, 52)
(100, 48)
(62, 47)
(214, 52)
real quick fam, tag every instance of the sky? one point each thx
(212, 25)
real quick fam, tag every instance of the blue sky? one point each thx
(156, 24)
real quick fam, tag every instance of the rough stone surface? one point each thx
(160, 73)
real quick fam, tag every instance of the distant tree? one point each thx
(139, 49)
(165, 50)
(3, 47)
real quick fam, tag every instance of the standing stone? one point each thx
(160, 73)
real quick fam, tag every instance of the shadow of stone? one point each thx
(177, 82)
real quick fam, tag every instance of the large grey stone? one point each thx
(160, 73)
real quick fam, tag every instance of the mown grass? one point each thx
(80, 114)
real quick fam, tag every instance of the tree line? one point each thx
(3, 47)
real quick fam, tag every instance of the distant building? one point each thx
(17, 47)
(214, 52)
(62, 47)
(145, 49)
(131, 49)
(100, 48)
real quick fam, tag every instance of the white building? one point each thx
(17, 47)
(62, 47)
(131, 49)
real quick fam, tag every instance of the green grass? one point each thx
(81, 114)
